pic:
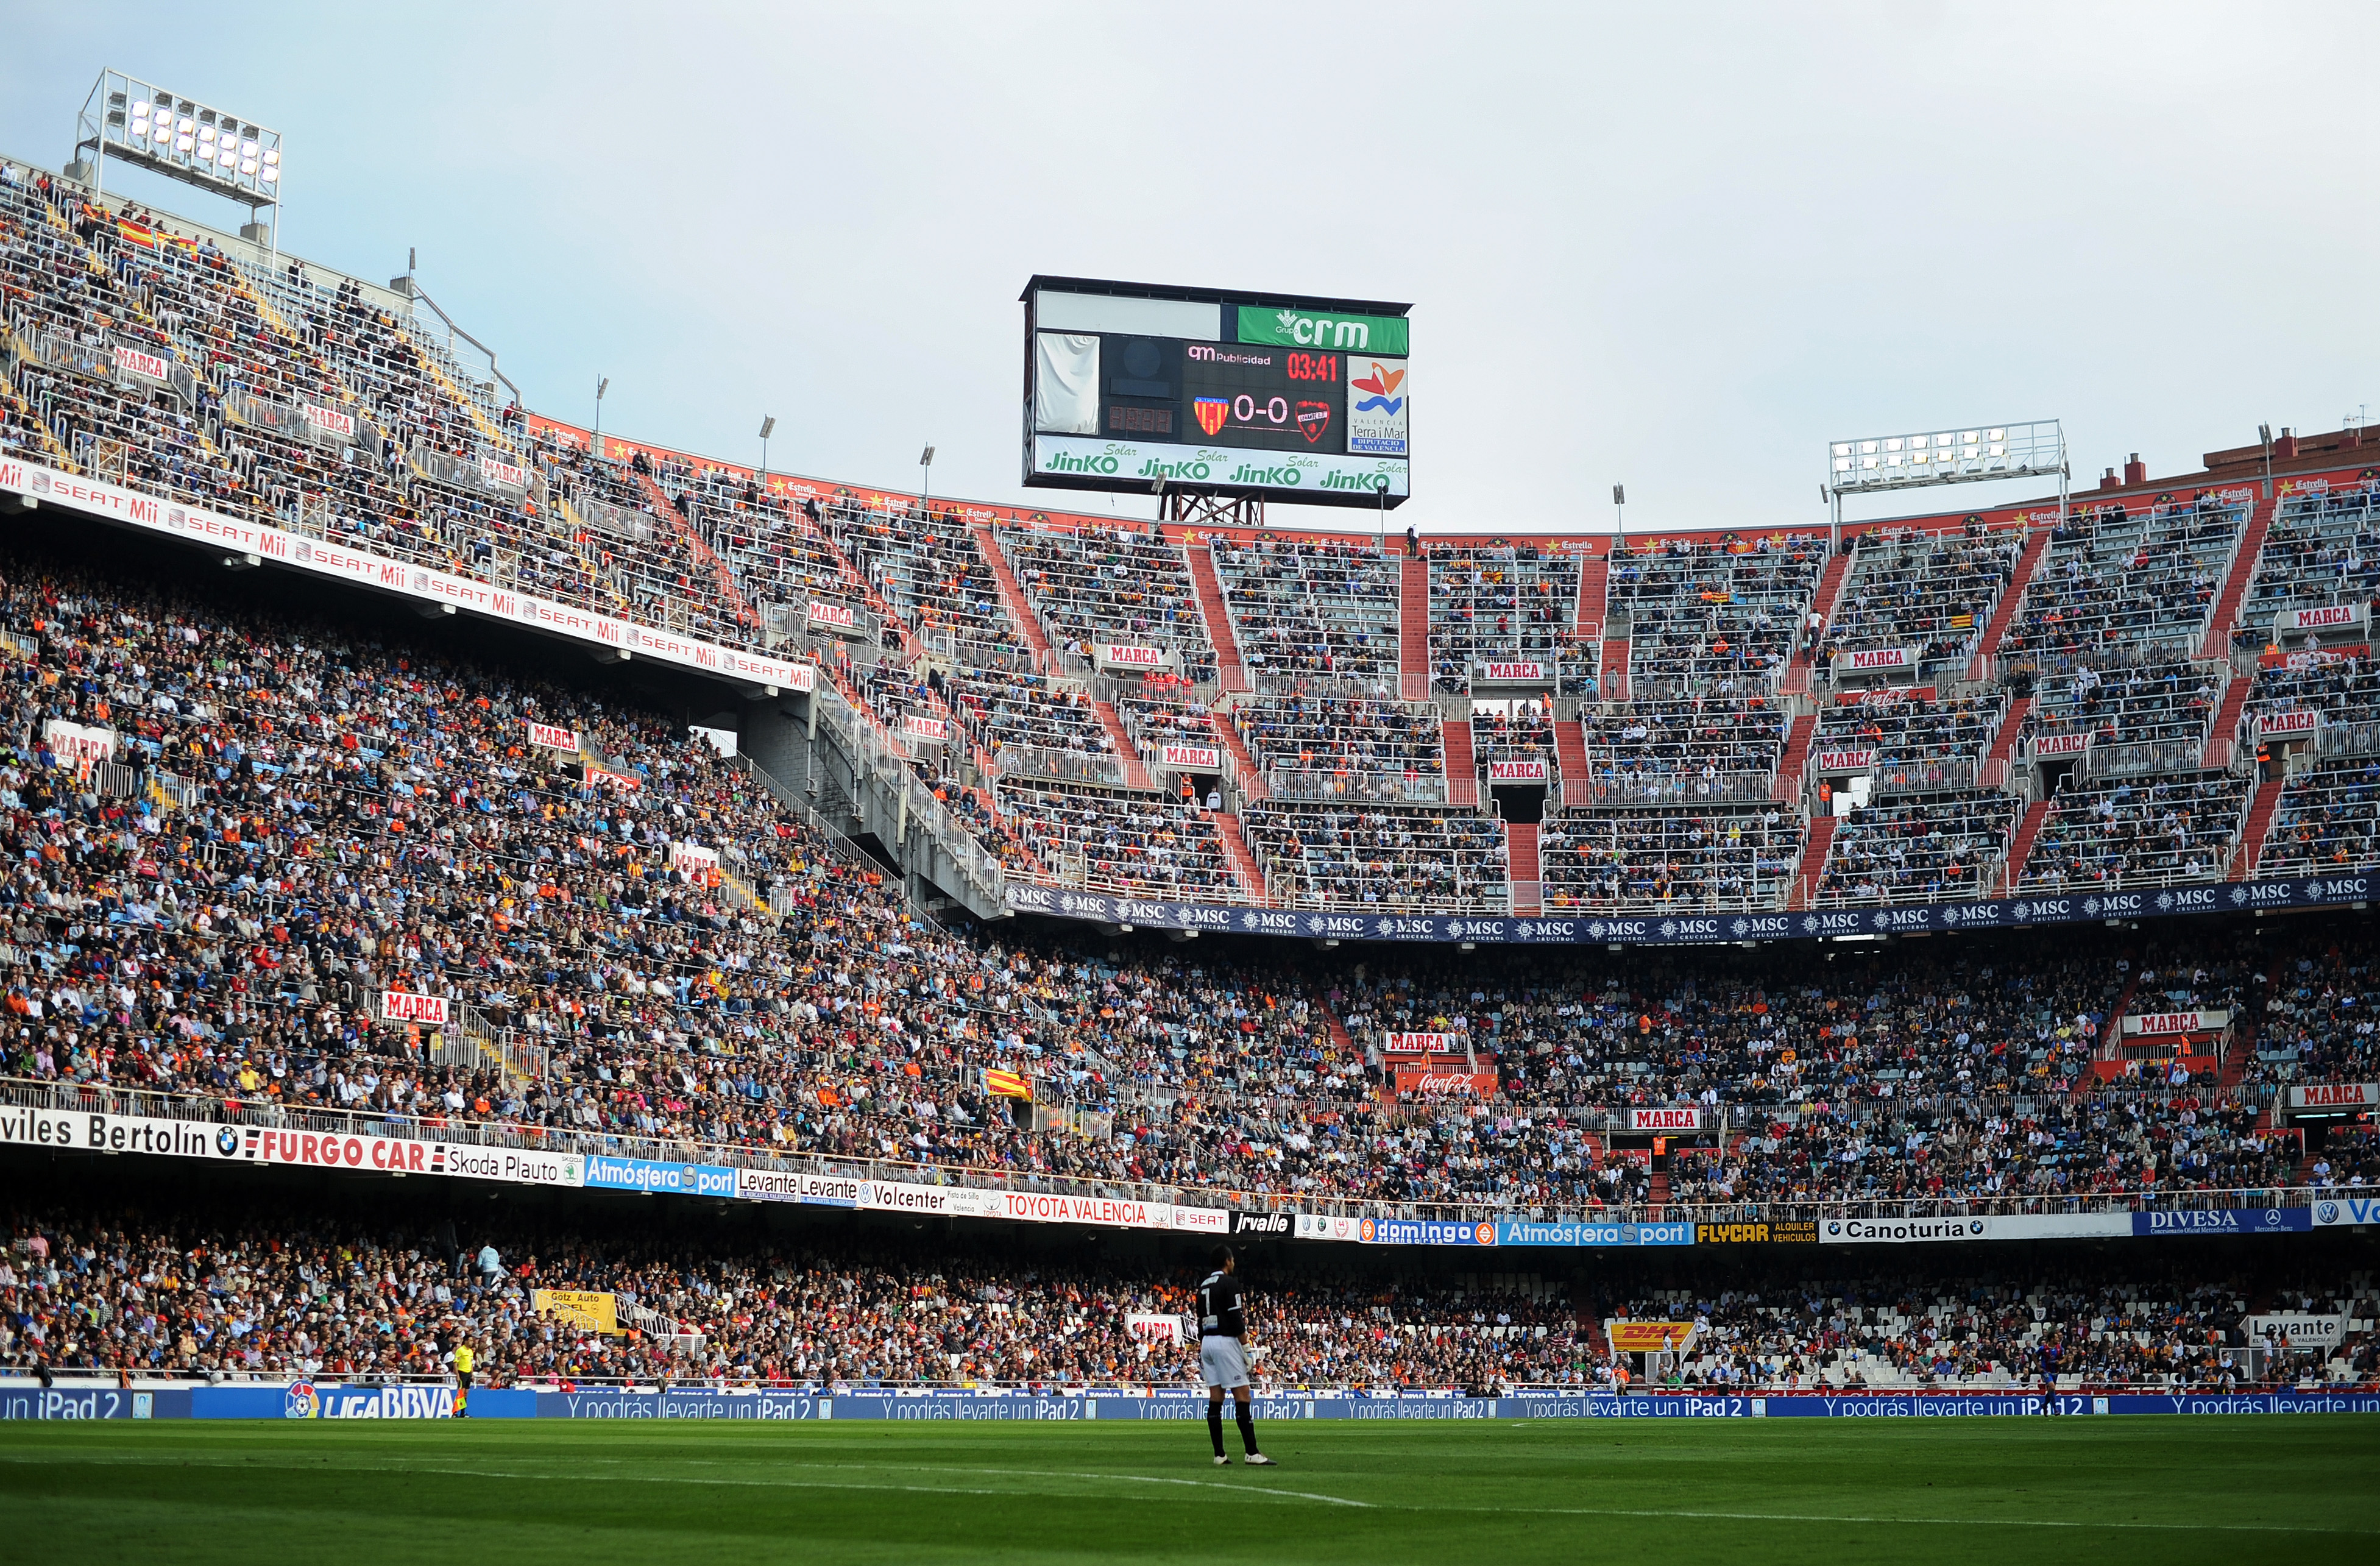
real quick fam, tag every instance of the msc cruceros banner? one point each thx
(347, 563)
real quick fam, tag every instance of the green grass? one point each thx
(2304, 1488)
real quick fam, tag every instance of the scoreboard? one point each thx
(1292, 399)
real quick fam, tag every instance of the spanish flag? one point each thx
(1006, 1085)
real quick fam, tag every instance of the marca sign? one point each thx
(1419, 1044)
(2329, 617)
(1311, 329)
(2297, 721)
(403, 1005)
(1878, 660)
(1516, 771)
(147, 367)
(1125, 655)
(78, 742)
(1524, 672)
(2046, 745)
(1686, 1117)
(552, 739)
(1846, 761)
(926, 729)
(329, 420)
(2336, 1095)
(2171, 1025)
(834, 616)
(1192, 758)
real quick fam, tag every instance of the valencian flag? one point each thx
(149, 238)
(1006, 1085)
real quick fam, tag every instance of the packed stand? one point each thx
(1676, 859)
(2128, 576)
(1381, 859)
(2168, 703)
(2103, 836)
(1722, 617)
(1931, 591)
(1704, 749)
(1324, 746)
(1499, 602)
(928, 566)
(2327, 821)
(1143, 844)
(1931, 848)
(1121, 585)
(1919, 741)
(1304, 610)
(2321, 1020)
(2322, 548)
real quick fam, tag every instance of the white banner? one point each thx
(403, 1005)
(499, 472)
(2297, 721)
(2042, 746)
(2173, 1024)
(344, 564)
(1327, 1226)
(1278, 472)
(1846, 761)
(1152, 1327)
(925, 729)
(1125, 655)
(2329, 617)
(1419, 1044)
(836, 616)
(2298, 1329)
(2336, 1095)
(552, 739)
(693, 858)
(1520, 671)
(78, 742)
(77, 1131)
(1516, 771)
(1192, 758)
(1907, 1230)
(1684, 1117)
(329, 420)
(148, 366)
(1876, 661)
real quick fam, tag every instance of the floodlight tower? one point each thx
(182, 138)
(1882, 463)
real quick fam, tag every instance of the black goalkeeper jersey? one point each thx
(1219, 1307)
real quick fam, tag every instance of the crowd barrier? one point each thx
(21, 1398)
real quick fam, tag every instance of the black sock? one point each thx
(1247, 1431)
(1215, 1425)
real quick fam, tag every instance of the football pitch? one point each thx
(2260, 1487)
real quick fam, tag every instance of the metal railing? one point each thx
(1630, 789)
(1294, 783)
(1020, 761)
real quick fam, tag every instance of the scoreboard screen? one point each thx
(1127, 386)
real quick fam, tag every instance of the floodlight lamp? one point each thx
(270, 175)
(2264, 434)
(927, 459)
(1842, 464)
(273, 156)
(768, 426)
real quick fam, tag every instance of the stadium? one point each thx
(1794, 1031)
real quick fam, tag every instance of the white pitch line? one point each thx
(1914, 1521)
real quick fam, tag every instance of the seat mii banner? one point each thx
(1583, 929)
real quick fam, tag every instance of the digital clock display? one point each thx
(1268, 398)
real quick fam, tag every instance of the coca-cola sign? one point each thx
(1423, 1082)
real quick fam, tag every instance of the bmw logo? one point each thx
(227, 1140)
(1834, 1227)
(2328, 1212)
(1974, 1226)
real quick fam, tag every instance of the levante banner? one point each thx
(1662, 930)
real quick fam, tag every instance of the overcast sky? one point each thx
(1678, 248)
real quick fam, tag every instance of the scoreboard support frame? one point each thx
(1210, 508)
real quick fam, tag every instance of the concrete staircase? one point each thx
(2003, 748)
(1521, 867)
(1136, 771)
(2260, 826)
(1813, 859)
(1570, 751)
(730, 593)
(1593, 597)
(1611, 669)
(1012, 596)
(2223, 737)
(1461, 766)
(1235, 854)
(2004, 612)
(1413, 631)
(1822, 603)
(1230, 670)
(2235, 584)
(2021, 846)
(1795, 759)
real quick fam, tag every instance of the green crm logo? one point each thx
(1304, 329)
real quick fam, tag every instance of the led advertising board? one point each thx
(1291, 399)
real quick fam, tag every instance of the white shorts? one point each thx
(1223, 1362)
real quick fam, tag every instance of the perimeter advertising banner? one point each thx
(1556, 928)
